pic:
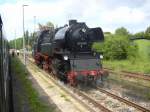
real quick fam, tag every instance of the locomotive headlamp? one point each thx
(65, 57)
(101, 56)
(83, 30)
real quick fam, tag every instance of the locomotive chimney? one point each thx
(73, 21)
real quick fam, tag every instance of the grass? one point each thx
(144, 48)
(36, 104)
(140, 64)
(127, 65)
(64, 96)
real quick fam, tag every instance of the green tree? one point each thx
(50, 24)
(30, 37)
(19, 43)
(147, 33)
(117, 46)
(139, 34)
(26, 36)
(122, 32)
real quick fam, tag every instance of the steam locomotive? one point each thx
(67, 53)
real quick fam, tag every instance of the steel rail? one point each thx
(124, 100)
(130, 74)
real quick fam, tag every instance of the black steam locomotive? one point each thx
(66, 51)
(5, 77)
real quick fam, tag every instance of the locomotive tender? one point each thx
(67, 53)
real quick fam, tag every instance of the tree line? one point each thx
(120, 46)
(29, 37)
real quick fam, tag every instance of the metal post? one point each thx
(15, 41)
(34, 24)
(24, 47)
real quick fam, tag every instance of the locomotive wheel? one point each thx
(53, 71)
(74, 84)
(40, 65)
(54, 67)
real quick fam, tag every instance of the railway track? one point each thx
(85, 100)
(137, 75)
(131, 74)
(90, 100)
(124, 100)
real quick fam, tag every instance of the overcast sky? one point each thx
(107, 14)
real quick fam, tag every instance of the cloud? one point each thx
(124, 15)
(107, 14)
(12, 15)
(124, 3)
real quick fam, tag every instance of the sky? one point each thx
(107, 14)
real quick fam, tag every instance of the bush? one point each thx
(117, 47)
(132, 51)
(98, 46)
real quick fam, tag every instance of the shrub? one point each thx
(117, 47)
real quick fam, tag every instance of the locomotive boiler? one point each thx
(67, 53)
